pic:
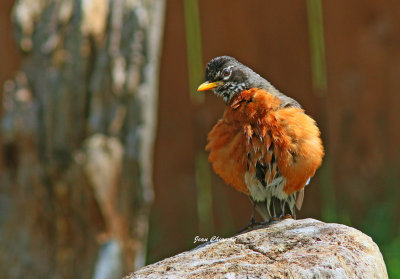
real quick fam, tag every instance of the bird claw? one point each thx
(276, 219)
(252, 223)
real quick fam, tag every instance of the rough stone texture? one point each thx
(288, 249)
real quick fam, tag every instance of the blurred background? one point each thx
(101, 171)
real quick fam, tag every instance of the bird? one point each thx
(265, 145)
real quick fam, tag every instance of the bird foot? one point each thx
(276, 219)
(252, 224)
(270, 221)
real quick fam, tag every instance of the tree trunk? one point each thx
(78, 128)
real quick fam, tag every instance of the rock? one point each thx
(288, 249)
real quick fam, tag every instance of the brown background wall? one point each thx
(358, 115)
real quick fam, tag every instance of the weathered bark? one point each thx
(288, 249)
(78, 129)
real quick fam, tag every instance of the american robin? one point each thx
(265, 146)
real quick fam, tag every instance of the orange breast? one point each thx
(253, 122)
(227, 147)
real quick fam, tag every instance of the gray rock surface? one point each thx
(288, 249)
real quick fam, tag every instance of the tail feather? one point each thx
(299, 199)
(275, 208)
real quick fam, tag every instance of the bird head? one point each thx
(225, 76)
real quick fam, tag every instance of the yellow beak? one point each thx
(209, 85)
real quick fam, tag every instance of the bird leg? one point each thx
(253, 221)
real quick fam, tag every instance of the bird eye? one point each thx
(226, 73)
